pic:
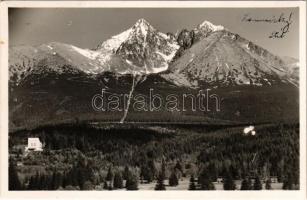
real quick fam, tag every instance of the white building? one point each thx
(249, 130)
(34, 144)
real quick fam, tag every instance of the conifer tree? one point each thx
(105, 185)
(173, 180)
(126, 173)
(163, 170)
(268, 184)
(160, 182)
(146, 174)
(31, 185)
(132, 182)
(14, 182)
(246, 184)
(205, 182)
(229, 183)
(192, 185)
(257, 184)
(56, 180)
(109, 174)
(288, 182)
(179, 167)
(118, 181)
(88, 185)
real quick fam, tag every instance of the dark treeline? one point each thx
(82, 157)
(79, 177)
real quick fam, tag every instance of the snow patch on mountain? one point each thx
(49, 47)
(113, 44)
(85, 52)
(167, 58)
(208, 25)
(164, 36)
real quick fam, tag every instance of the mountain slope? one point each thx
(51, 57)
(224, 58)
(292, 68)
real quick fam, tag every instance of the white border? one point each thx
(301, 194)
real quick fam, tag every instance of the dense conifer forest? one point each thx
(113, 157)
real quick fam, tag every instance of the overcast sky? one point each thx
(87, 27)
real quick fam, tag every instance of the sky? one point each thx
(88, 27)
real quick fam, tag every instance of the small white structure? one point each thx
(34, 144)
(249, 130)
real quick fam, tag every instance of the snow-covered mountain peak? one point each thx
(209, 26)
(141, 27)
(147, 48)
(142, 22)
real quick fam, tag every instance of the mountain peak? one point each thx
(142, 26)
(141, 22)
(208, 25)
